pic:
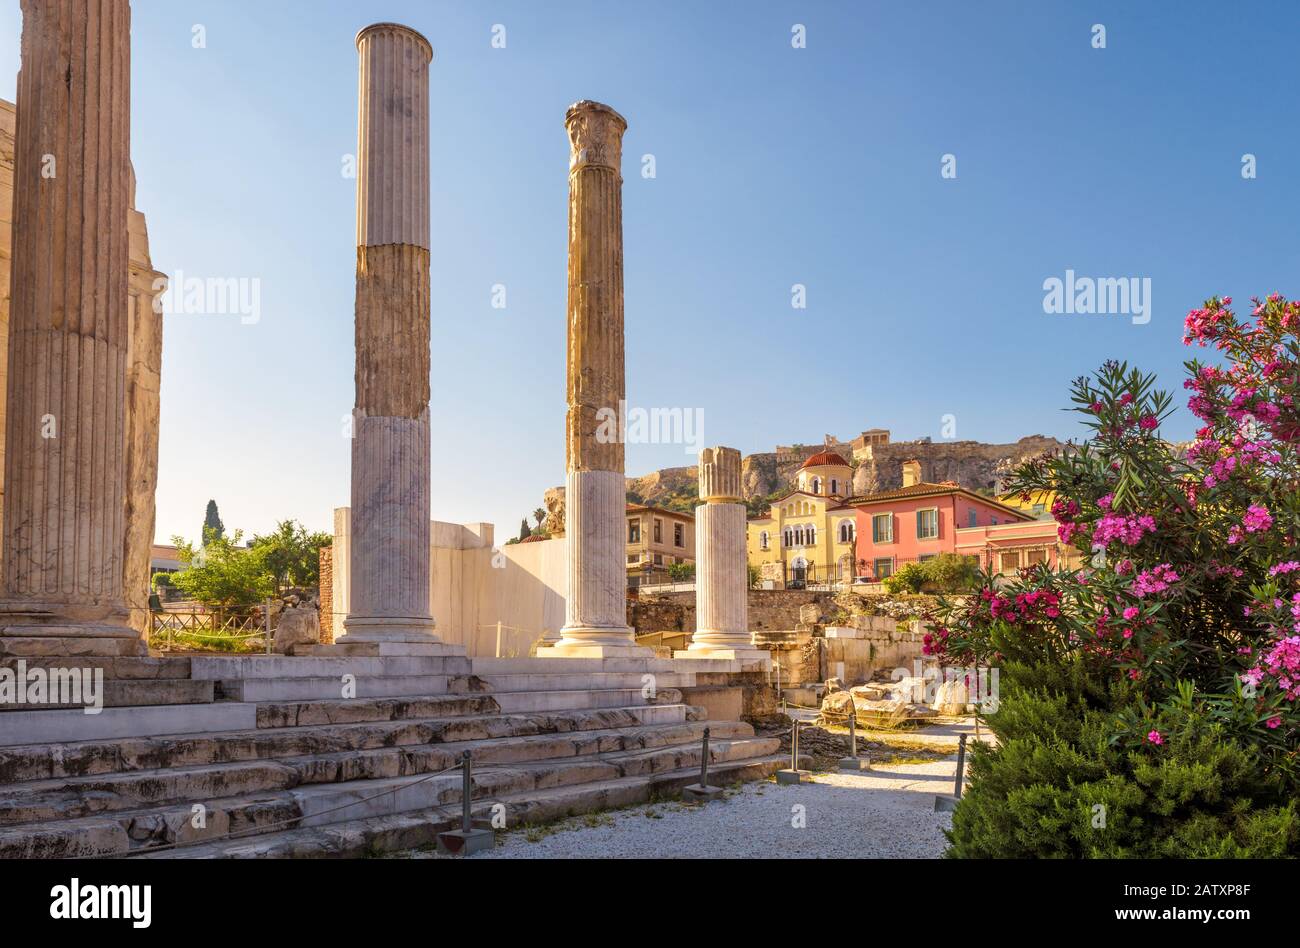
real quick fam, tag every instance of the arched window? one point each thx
(789, 537)
(816, 485)
(846, 531)
(835, 486)
(762, 540)
(811, 534)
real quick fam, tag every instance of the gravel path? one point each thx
(882, 814)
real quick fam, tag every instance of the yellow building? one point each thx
(657, 539)
(1038, 506)
(808, 535)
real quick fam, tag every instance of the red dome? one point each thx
(825, 459)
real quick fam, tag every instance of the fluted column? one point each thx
(721, 562)
(389, 575)
(595, 495)
(143, 407)
(65, 431)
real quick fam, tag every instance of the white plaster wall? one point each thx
(474, 585)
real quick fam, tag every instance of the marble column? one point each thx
(8, 120)
(65, 430)
(595, 494)
(389, 589)
(721, 562)
(143, 383)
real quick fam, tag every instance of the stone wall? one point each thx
(143, 407)
(474, 586)
(326, 562)
(768, 609)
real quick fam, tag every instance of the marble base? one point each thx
(415, 629)
(381, 650)
(696, 793)
(51, 635)
(588, 649)
(748, 655)
(462, 843)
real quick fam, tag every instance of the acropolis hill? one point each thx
(973, 464)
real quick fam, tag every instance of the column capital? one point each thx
(595, 136)
(720, 476)
(394, 29)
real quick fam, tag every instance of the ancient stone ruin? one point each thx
(358, 746)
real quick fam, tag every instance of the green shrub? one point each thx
(909, 579)
(949, 573)
(1148, 704)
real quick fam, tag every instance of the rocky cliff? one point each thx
(972, 464)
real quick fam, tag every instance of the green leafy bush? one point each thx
(1147, 704)
(909, 579)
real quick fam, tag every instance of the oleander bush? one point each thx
(1147, 703)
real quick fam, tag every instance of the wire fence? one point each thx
(230, 631)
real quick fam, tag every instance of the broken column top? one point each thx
(720, 475)
(595, 136)
(395, 28)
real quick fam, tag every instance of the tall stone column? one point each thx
(65, 431)
(143, 383)
(595, 494)
(389, 574)
(721, 562)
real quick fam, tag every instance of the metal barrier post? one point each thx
(961, 765)
(853, 761)
(467, 840)
(701, 792)
(793, 775)
(466, 792)
(943, 802)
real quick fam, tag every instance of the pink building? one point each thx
(921, 520)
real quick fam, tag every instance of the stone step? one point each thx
(132, 668)
(380, 649)
(131, 693)
(229, 668)
(87, 796)
(419, 828)
(310, 689)
(41, 646)
(357, 710)
(55, 727)
(321, 804)
(572, 700)
(588, 666)
(584, 681)
(285, 714)
(42, 762)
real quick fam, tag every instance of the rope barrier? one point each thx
(262, 830)
(252, 832)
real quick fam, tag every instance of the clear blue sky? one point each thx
(775, 166)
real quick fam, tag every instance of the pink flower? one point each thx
(1257, 519)
(1127, 530)
(1153, 581)
(1155, 738)
(1274, 722)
